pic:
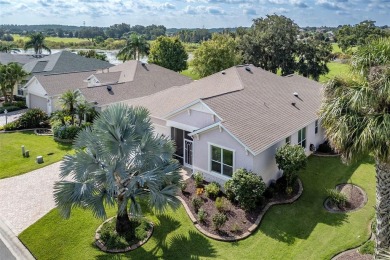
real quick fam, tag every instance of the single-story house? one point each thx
(237, 118)
(132, 79)
(63, 62)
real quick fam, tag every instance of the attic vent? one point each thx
(295, 94)
(293, 104)
(143, 64)
(248, 69)
(223, 72)
(109, 88)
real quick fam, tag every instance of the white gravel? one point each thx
(26, 198)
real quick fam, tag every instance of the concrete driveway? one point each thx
(11, 116)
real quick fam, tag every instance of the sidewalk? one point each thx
(10, 246)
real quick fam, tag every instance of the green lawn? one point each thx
(190, 73)
(302, 230)
(52, 39)
(13, 163)
(336, 48)
(335, 69)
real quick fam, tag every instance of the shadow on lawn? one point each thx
(180, 246)
(299, 219)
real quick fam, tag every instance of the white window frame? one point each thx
(222, 164)
(316, 127)
(300, 136)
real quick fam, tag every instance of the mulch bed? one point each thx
(238, 220)
(356, 198)
(354, 255)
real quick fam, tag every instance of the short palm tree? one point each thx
(69, 101)
(37, 42)
(136, 47)
(356, 115)
(117, 162)
(10, 75)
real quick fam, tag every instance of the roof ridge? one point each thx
(239, 77)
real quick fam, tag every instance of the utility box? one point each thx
(39, 159)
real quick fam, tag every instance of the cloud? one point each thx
(4, 3)
(250, 11)
(330, 5)
(298, 3)
(201, 9)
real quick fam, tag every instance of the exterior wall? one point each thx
(265, 165)
(160, 127)
(195, 118)
(311, 137)
(201, 152)
(35, 88)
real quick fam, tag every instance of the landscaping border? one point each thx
(351, 210)
(326, 155)
(99, 243)
(252, 228)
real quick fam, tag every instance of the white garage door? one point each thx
(38, 102)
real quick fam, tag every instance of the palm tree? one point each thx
(37, 41)
(10, 75)
(356, 115)
(136, 47)
(69, 101)
(118, 161)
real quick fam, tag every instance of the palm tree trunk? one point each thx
(382, 206)
(4, 94)
(123, 223)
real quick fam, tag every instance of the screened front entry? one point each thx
(183, 146)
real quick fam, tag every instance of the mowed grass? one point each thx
(302, 230)
(335, 69)
(190, 73)
(13, 163)
(52, 39)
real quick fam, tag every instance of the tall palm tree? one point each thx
(136, 47)
(10, 75)
(69, 101)
(356, 115)
(37, 41)
(118, 161)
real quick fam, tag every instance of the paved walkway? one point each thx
(26, 198)
(11, 116)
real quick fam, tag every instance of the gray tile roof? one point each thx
(60, 83)
(22, 59)
(255, 106)
(64, 62)
(262, 113)
(145, 80)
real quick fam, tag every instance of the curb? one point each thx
(251, 229)
(13, 244)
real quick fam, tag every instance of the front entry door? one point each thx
(188, 153)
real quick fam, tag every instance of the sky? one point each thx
(192, 13)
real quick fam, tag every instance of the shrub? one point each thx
(368, 248)
(183, 185)
(220, 204)
(212, 190)
(9, 109)
(202, 215)
(270, 191)
(290, 159)
(66, 132)
(12, 126)
(32, 118)
(336, 197)
(198, 178)
(246, 188)
(219, 219)
(19, 104)
(235, 228)
(197, 202)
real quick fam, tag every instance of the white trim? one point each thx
(188, 106)
(198, 131)
(181, 126)
(192, 153)
(224, 148)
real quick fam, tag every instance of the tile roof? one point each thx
(22, 59)
(60, 83)
(255, 105)
(145, 80)
(64, 62)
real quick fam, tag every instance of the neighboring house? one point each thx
(21, 59)
(65, 65)
(237, 119)
(132, 79)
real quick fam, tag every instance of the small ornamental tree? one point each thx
(290, 159)
(246, 188)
